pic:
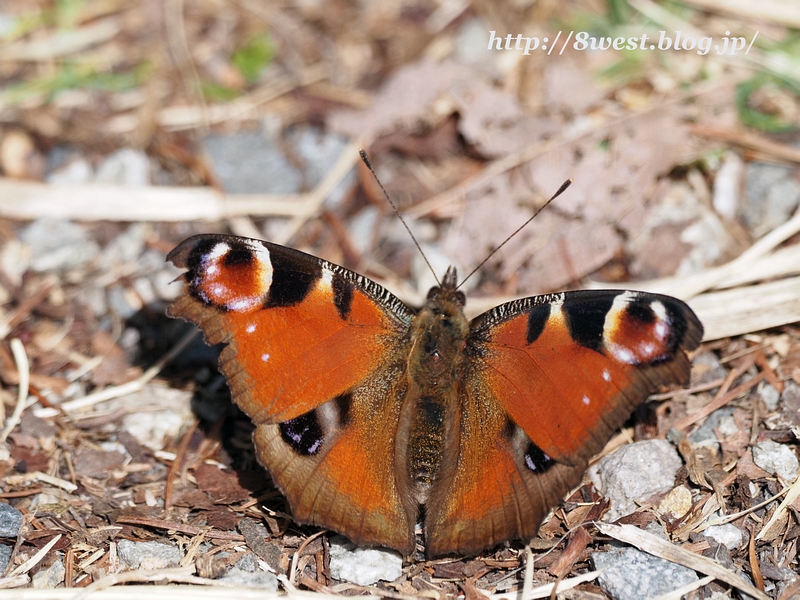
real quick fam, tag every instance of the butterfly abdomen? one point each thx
(425, 444)
(438, 337)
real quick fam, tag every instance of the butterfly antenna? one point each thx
(560, 191)
(366, 161)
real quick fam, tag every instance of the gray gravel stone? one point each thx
(776, 458)
(168, 410)
(118, 301)
(708, 367)
(771, 195)
(248, 573)
(67, 165)
(705, 434)
(255, 163)
(634, 575)
(471, 41)
(789, 415)
(8, 23)
(10, 521)
(148, 555)
(634, 473)
(5, 556)
(248, 562)
(126, 247)
(319, 150)
(50, 577)
(770, 396)
(253, 579)
(251, 163)
(57, 245)
(125, 167)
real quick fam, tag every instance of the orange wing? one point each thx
(314, 356)
(549, 380)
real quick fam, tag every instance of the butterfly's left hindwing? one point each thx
(314, 355)
(548, 381)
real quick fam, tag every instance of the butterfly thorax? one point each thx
(438, 337)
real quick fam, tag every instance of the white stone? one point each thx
(77, 170)
(727, 185)
(776, 458)
(363, 566)
(153, 555)
(157, 414)
(728, 535)
(362, 228)
(255, 579)
(125, 167)
(770, 396)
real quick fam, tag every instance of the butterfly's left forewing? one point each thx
(315, 355)
(546, 383)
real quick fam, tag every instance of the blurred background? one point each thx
(680, 141)
(127, 126)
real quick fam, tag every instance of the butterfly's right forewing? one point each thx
(547, 382)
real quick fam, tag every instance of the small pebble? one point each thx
(777, 459)
(144, 289)
(634, 473)
(634, 575)
(771, 195)
(252, 579)
(122, 301)
(707, 367)
(94, 297)
(57, 245)
(162, 282)
(677, 503)
(728, 535)
(126, 247)
(363, 566)
(5, 556)
(727, 185)
(10, 521)
(251, 163)
(8, 23)
(318, 148)
(770, 396)
(152, 428)
(74, 171)
(152, 555)
(126, 167)
(705, 435)
(362, 228)
(50, 577)
(657, 529)
(470, 43)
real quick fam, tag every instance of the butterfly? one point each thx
(371, 416)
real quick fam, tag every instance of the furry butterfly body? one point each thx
(371, 416)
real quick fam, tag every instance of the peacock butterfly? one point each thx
(371, 416)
